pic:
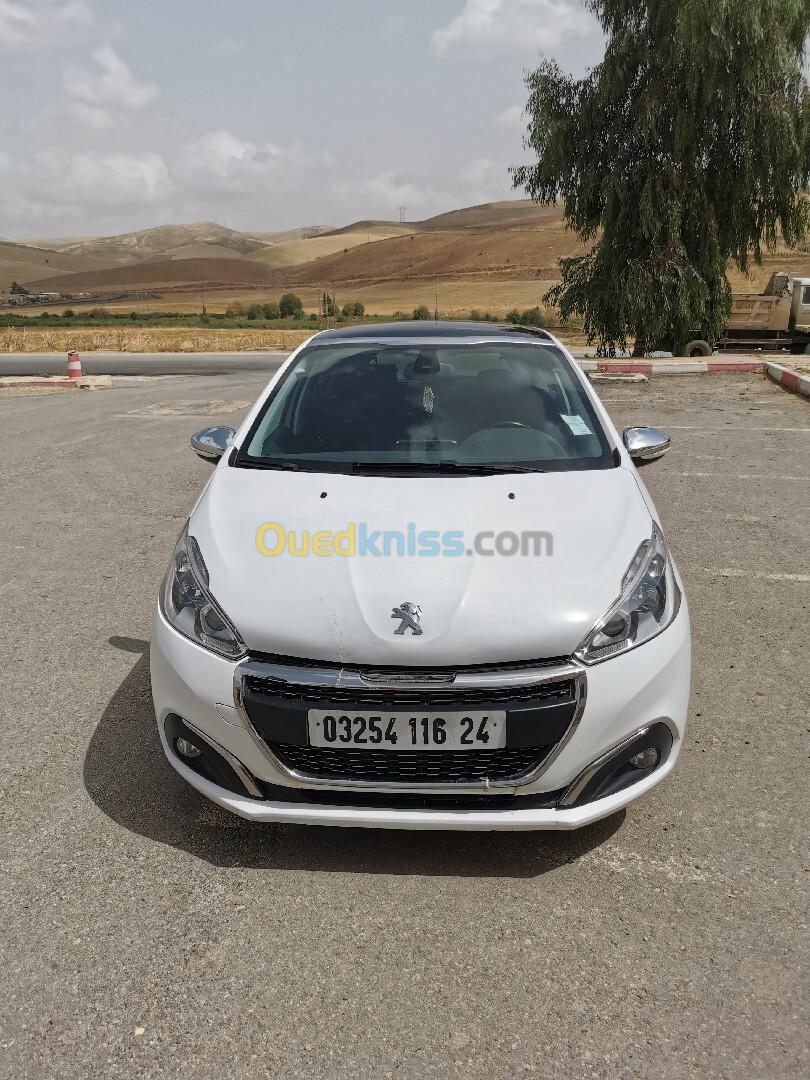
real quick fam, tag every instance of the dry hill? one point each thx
(166, 274)
(24, 264)
(478, 253)
(297, 252)
(157, 243)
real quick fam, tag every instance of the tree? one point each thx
(328, 308)
(255, 311)
(271, 311)
(356, 311)
(421, 313)
(18, 290)
(686, 148)
(290, 306)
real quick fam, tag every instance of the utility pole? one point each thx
(436, 309)
(403, 214)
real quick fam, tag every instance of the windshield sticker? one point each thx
(577, 425)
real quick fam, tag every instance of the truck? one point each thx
(777, 319)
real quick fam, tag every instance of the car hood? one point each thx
(474, 608)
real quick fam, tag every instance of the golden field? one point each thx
(158, 339)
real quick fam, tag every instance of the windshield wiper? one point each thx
(440, 467)
(267, 463)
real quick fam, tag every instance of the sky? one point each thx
(260, 115)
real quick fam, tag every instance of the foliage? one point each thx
(421, 313)
(290, 306)
(528, 317)
(356, 310)
(18, 290)
(687, 147)
(271, 310)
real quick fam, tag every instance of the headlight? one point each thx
(649, 601)
(190, 607)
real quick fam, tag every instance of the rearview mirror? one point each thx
(212, 442)
(646, 443)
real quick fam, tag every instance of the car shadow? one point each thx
(127, 776)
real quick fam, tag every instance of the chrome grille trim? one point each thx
(311, 677)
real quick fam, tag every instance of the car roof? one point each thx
(424, 331)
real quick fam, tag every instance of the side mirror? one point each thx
(212, 442)
(645, 443)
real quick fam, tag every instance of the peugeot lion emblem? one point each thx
(409, 615)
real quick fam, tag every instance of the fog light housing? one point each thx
(186, 749)
(646, 759)
(630, 762)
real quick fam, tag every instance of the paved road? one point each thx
(100, 363)
(143, 932)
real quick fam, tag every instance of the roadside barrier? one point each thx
(791, 380)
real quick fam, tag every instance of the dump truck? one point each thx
(777, 319)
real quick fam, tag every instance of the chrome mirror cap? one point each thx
(212, 442)
(646, 443)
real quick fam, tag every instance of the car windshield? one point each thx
(500, 406)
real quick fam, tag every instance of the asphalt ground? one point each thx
(101, 363)
(214, 363)
(144, 932)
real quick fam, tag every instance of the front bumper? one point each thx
(625, 695)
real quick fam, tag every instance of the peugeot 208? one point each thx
(425, 588)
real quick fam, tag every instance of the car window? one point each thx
(494, 405)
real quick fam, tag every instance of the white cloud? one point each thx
(480, 172)
(106, 93)
(387, 192)
(90, 178)
(484, 180)
(221, 163)
(511, 118)
(228, 44)
(61, 189)
(29, 24)
(485, 27)
(481, 180)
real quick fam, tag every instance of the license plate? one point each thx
(408, 731)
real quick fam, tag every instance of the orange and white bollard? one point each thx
(74, 369)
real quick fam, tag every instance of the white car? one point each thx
(424, 588)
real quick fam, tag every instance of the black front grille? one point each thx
(409, 766)
(384, 699)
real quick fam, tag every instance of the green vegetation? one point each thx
(18, 290)
(159, 318)
(687, 148)
(266, 316)
(290, 306)
(528, 317)
(421, 313)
